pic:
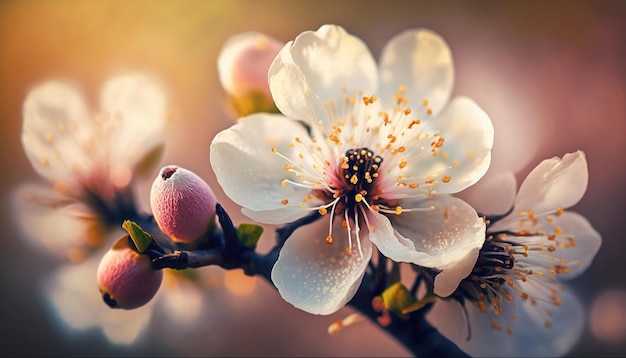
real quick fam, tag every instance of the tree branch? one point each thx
(412, 330)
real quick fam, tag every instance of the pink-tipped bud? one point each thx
(182, 203)
(126, 278)
(242, 65)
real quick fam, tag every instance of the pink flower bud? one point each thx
(242, 65)
(182, 203)
(126, 278)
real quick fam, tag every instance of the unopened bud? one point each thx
(126, 278)
(182, 203)
(243, 63)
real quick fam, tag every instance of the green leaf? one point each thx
(249, 234)
(397, 298)
(140, 238)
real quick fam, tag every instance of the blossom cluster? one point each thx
(375, 151)
(378, 149)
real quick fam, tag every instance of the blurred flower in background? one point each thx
(88, 158)
(90, 161)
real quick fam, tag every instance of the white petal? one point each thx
(79, 304)
(468, 138)
(567, 322)
(554, 183)
(419, 60)
(447, 281)
(56, 127)
(530, 336)
(251, 174)
(492, 195)
(124, 326)
(283, 215)
(138, 107)
(580, 253)
(441, 234)
(316, 277)
(53, 222)
(317, 67)
(181, 300)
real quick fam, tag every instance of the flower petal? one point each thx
(554, 183)
(56, 127)
(492, 195)
(316, 277)
(581, 243)
(277, 216)
(137, 106)
(453, 160)
(54, 222)
(317, 67)
(468, 134)
(441, 233)
(420, 61)
(530, 337)
(447, 281)
(251, 174)
(181, 300)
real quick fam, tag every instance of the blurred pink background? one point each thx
(552, 76)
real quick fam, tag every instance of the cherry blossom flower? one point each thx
(89, 159)
(91, 162)
(516, 285)
(375, 148)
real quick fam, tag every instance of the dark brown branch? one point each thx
(413, 331)
(180, 260)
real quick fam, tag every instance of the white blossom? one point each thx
(374, 148)
(516, 301)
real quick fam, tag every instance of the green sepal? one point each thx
(253, 102)
(140, 238)
(249, 234)
(429, 298)
(397, 298)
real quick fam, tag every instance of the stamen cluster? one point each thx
(359, 169)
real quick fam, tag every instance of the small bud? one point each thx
(126, 278)
(182, 203)
(243, 63)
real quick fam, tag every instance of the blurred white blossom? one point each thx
(90, 161)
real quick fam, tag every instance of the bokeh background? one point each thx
(552, 76)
